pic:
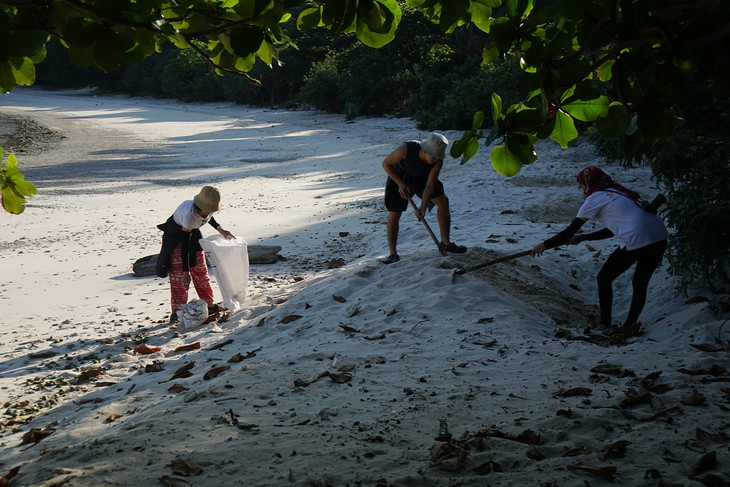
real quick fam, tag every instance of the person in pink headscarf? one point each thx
(641, 233)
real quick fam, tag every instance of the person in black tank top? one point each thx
(413, 169)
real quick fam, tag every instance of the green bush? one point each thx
(186, 77)
(449, 99)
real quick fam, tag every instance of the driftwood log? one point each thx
(257, 254)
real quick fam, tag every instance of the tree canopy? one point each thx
(619, 65)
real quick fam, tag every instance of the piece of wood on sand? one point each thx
(257, 254)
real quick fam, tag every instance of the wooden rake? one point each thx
(460, 272)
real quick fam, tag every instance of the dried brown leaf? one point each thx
(706, 462)
(339, 299)
(46, 354)
(178, 388)
(240, 358)
(37, 434)
(87, 375)
(340, 378)
(349, 329)
(5, 479)
(290, 318)
(707, 347)
(575, 391)
(186, 467)
(335, 263)
(615, 450)
(173, 481)
(112, 417)
(695, 398)
(606, 473)
(221, 344)
(215, 372)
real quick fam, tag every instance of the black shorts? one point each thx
(394, 201)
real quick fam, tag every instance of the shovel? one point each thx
(425, 224)
(460, 272)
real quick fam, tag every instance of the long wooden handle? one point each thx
(492, 262)
(425, 224)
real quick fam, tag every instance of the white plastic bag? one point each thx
(229, 259)
(194, 313)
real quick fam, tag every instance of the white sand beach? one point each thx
(339, 370)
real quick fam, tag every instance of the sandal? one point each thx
(391, 259)
(216, 308)
(453, 248)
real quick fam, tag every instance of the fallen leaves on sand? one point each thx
(112, 417)
(37, 434)
(339, 299)
(290, 318)
(186, 348)
(706, 462)
(708, 347)
(178, 388)
(46, 354)
(335, 263)
(694, 398)
(183, 372)
(5, 479)
(606, 473)
(572, 392)
(612, 369)
(714, 370)
(173, 482)
(336, 377)
(186, 467)
(156, 366)
(145, 350)
(349, 329)
(233, 421)
(215, 372)
(615, 450)
(221, 344)
(87, 375)
(240, 358)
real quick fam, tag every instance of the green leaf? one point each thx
(564, 132)
(246, 40)
(615, 123)
(521, 148)
(14, 187)
(481, 15)
(23, 71)
(477, 120)
(496, 106)
(391, 13)
(107, 51)
(587, 110)
(504, 162)
(309, 19)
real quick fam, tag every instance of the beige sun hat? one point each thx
(209, 199)
(435, 146)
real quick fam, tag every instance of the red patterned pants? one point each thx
(198, 274)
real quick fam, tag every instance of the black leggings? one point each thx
(647, 259)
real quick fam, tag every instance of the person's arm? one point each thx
(389, 164)
(598, 235)
(433, 177)
(220, 229)
(559, 239)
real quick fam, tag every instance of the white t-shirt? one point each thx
(632, 225)
(186, 216)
